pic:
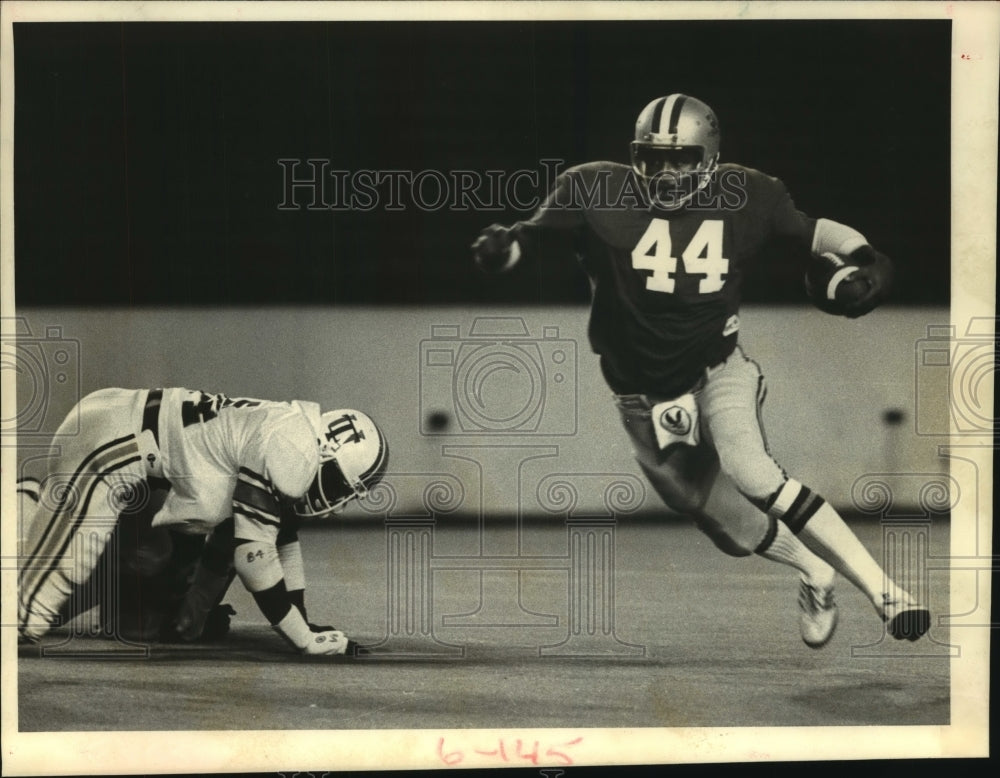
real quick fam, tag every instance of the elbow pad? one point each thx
(290, 556)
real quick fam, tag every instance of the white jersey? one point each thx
(234, 457)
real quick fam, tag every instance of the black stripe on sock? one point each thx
(801, 513)
(800, 499)
(806, 512)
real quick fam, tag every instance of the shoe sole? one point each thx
(829, 635)
(910, 624)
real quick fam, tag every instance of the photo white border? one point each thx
(975, 65)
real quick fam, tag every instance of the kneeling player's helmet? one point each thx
(676, 146)
(353, 456)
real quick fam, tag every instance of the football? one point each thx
(830, 282)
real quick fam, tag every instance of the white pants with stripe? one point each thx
(94, 473)
(723, 481)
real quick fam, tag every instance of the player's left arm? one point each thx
(873, 267)
(292, 564)
(268, 553)
(825, 235)
(257, 522)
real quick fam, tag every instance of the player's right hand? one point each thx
(492, 249)
(326, 643)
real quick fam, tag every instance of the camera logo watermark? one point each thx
(46, 369)
(954, 380)
(498, 380)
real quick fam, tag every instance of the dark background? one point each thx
(146, 155)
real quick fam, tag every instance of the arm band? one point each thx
(294, 629)
(290, 557)
(838, 238)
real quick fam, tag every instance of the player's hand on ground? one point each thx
(326, 643)
(492, 249)
(877, 269)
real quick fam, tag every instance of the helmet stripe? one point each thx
(658, 115)
(675, 113)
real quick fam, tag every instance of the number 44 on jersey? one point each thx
(703, 256)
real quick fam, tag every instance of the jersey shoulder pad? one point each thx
(291, 455)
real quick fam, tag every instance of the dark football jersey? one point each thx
(666, 283)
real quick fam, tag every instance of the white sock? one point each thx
(822, 529)
(782, 546)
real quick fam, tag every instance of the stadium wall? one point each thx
(849, 403)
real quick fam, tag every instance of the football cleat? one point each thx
(904, 619)
(676, 148)
(353, 456)
(818, 619)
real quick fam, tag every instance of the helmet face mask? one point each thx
(649, 160)
(354, 455)
(676, 148)
(329, 492)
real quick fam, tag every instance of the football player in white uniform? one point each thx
(250, 465)
(666, 242)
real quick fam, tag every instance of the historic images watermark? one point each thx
(499, 396)
(314, 184)
(498, 379)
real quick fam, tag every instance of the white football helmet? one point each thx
(676, 147)
(353, 456)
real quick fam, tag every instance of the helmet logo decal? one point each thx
(342, 430)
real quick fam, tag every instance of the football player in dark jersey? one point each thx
(665, 243)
